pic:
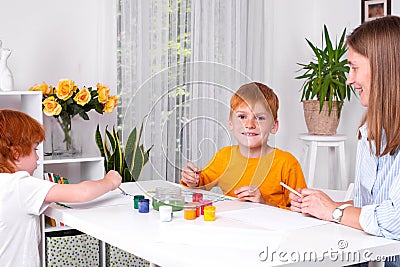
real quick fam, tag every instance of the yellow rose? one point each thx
(104, 93)
(110, 104)
(44, 88)
(83, 97)
(51, 107)
(51, 90)
(65, 88)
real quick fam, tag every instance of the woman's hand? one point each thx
(250, 193)
(295, 203)
(191, 175)
(315, 203)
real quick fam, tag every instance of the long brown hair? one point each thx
(379, 41)
(18, 133)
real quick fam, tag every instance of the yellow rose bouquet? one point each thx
(66, 100)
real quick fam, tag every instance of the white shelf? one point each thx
(49, 160)
(20, 93)
(49, 228)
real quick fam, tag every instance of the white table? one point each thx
(244, 234)
(336, 154)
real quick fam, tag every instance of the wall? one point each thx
(293, 22)
(72, 39)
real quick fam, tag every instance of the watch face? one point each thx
(337, 214)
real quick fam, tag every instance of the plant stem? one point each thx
(66, 127)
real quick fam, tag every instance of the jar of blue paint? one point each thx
(143, 205)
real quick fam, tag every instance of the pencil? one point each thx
(291, 189)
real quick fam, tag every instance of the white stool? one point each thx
(333, 142)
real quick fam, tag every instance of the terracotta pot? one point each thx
(320, 123)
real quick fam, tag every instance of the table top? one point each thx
(243, 234)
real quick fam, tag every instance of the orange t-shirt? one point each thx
(230, 170)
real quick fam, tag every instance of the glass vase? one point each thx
(63, 143)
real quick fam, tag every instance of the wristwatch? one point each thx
(338, 212)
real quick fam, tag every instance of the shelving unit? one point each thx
(75, 169)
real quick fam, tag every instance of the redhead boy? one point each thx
(23, 197)
(252, 169)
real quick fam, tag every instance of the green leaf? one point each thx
(99, 143)
(118, 153)
(138, 164)
(130, 148)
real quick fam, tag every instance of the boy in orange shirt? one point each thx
(251, 170)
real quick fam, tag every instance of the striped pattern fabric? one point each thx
(377, 189)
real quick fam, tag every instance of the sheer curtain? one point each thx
(179, 63)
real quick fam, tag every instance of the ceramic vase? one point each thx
(6, 77)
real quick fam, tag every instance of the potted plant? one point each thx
(324, 89)
(128, 161)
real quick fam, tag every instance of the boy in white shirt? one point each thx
(23, 197)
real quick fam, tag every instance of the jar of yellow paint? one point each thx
(189, 211)
(209, 213)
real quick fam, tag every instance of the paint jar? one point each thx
(197, 197)
(136, 201)
(203, 204)
(209, 213)
(144, 205)
(169, 196)
(165, 213)
(198, 210)
(189, 211)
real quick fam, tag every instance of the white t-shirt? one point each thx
(21, 203)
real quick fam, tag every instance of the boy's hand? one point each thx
(114, 178)
(191, 175)
(250, 193)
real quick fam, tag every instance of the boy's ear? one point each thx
(230, 125)
(275, 127)
(14, 153)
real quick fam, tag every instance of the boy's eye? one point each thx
(261, 118)
(241, 116)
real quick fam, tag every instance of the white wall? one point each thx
(71, 39)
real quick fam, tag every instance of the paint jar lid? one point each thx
(190, 206)
(143, 200)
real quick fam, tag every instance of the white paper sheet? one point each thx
(272, 218)
(110, 199)
(229, 234)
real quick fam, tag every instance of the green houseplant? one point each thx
(128, 161)
(325, 83)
